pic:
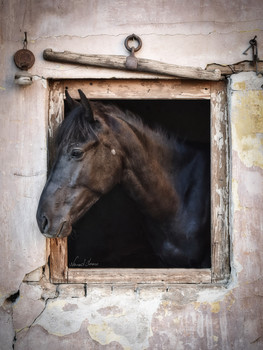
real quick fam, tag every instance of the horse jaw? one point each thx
(65, 227)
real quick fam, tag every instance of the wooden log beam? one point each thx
(228, 69)
(144, 65)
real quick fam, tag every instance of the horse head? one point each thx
(87, 166)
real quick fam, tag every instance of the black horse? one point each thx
(101, 148)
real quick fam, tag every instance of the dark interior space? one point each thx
(112, 234)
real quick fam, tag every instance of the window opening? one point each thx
(114, 232)
(207, 103)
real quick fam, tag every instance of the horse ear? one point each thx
(85, 103)
(71, 104)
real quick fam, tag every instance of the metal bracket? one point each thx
(254, 47)
(131, 61)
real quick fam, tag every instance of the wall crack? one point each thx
(38, 281)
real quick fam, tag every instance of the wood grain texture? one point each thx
(144, 276)
(143, 89)
(58, 260)
(219, 183)
(144, 65)
(58, 247)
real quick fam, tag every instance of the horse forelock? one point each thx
(74, 128)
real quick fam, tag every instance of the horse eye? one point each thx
(76, 153)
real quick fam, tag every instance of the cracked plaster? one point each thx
(167, 319)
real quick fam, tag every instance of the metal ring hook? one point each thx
(134, 38)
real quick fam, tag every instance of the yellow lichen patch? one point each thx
(104, 334)
(240, 85)
(166, 305)
(196, 305)
(59, 303)
(247, 127)
(215, 307)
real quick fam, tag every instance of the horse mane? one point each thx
(77, 128)
(136, 122)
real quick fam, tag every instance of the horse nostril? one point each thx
(44, 224)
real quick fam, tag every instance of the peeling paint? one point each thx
(104, 335)
(103, 329)
(110, 311)
(70, 307)
(235, 198)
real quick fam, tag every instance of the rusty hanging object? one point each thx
(24, 58)
(131, 61)
(253, 45)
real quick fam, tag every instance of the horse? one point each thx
(100, 147)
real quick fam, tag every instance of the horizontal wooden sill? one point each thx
(148, 276)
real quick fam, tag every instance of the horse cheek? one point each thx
(115, 171)
(108, 172)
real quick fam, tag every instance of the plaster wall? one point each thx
(43, 315)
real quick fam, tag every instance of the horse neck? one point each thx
(148, 171)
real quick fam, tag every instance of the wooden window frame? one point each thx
(154, 89)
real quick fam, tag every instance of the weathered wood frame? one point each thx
(155, 89)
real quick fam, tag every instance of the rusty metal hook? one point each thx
(131, 61)
(133, 37)
(254, 47)
(24, 58)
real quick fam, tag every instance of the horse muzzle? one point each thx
(63, 229)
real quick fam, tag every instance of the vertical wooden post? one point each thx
(219, 183)
(58, 246)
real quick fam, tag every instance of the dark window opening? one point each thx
(113, 233)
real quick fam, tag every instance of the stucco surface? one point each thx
(191, 33)
(46, 316)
